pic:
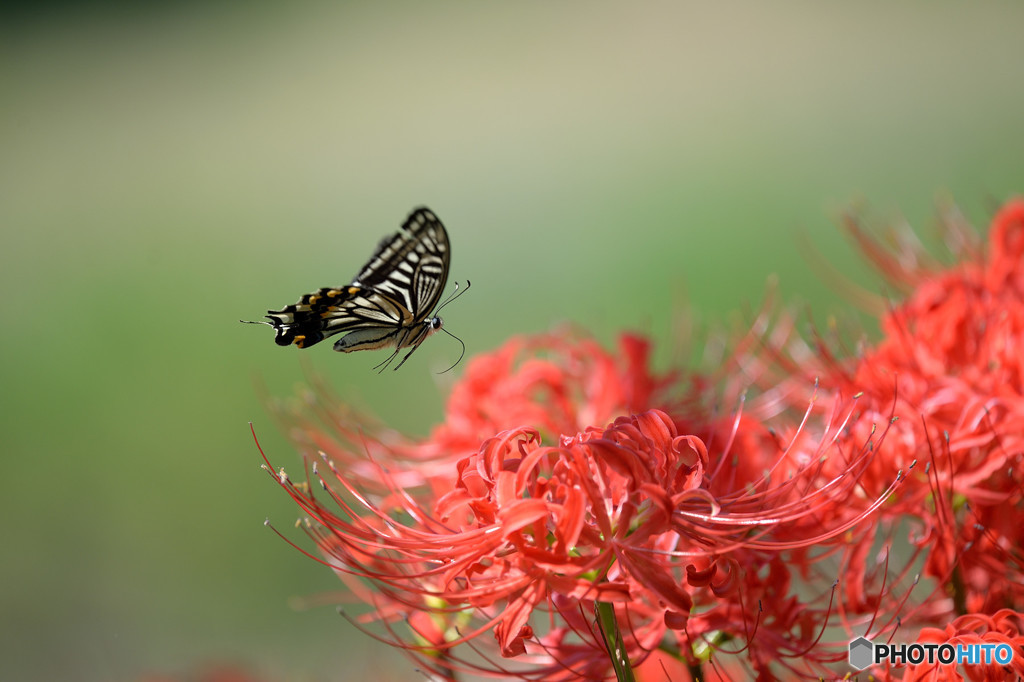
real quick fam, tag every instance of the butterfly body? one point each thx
(388, 304)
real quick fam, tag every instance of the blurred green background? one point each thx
(165, 171)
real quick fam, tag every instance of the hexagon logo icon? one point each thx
(861, 650)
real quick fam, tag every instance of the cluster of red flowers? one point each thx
(878, 495)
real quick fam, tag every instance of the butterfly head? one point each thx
(428, 327)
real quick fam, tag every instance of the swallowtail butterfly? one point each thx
(388, 304)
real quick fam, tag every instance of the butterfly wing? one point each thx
(336, 311)
(387, 302)
(411, 266)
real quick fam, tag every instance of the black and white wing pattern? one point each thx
(411, 265)
(388, 304)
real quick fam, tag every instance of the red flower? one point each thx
(954, 354)
(493, 524)
(950, 368)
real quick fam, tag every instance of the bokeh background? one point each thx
(168, 169)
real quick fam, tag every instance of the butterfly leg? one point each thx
(406, 356)
(384, 365)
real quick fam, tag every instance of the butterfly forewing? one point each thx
(388, 303)
(411, 266)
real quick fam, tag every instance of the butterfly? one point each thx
(388, 304)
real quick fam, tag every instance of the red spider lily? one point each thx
(955, 349)
(954, 346)
(536, 524)
(952, 354)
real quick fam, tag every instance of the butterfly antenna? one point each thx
(463, 353)
(452, 296)
(256, 322)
